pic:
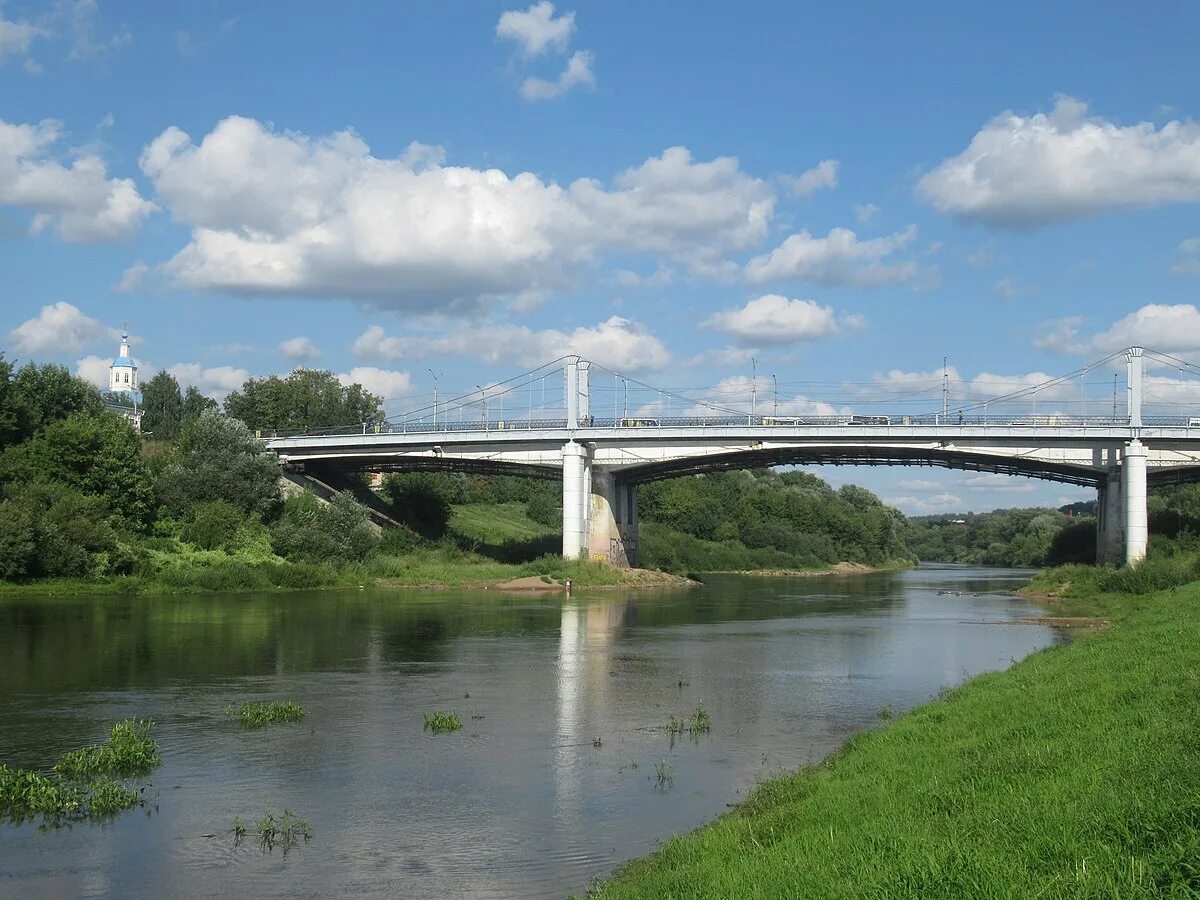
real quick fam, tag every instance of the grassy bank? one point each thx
(1074, 773)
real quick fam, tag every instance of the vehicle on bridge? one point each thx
(870, 420)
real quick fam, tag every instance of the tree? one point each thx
(99, 456)
(307, 398)
(336, 532)
(51, 530)
(162, 407)
(219, 459)
(419, 501)
(194, 405)
(9, 420)
(44, 394)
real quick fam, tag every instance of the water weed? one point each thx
(284, 831)
(439, 722)
(259, 714)
(129, 751)
(664, 775)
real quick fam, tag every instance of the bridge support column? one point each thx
(612, 526)
(575, 499)
(1133, 498)
(1109, 521)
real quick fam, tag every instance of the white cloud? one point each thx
(1010, 288)
(132, 277)
(823, 175)
(83, 20)
(661, 276)
(984, 256)
(617, 343)
(537, 29)
(918, 485)
(577, 73)
(1028, 171)
(94, 370)
(284, 213)
(1187, 260)
(1002, 484)
(299, 348)
(16, 38)
(78, 199)
(774, 319)
(738, 392)
(60, 328)
(1163, 327)
(917, 506)
(216, 381)
(840, 258)
(386, 384)
(865, 212)
(1060, 335)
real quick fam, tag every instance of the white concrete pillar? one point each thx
(1134, 368)
(587, 495)
(611, 536)
(571, 385)
(1109, 521)
(574, 504)
(1133, 498)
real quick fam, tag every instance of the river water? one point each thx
(552, 779)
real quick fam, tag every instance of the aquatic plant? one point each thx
(239, 828)
(439, 722)
(286, 831)
(107, 797)
(129, 751)
(700, 721)
(664, 775)
(259, 714)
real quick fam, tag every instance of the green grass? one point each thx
(129, 751)
(496, 523)
(285, 831)
(1076, 773)
(440, 722)
(261, 713)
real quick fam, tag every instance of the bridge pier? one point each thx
(612, 521)
(1110, 523)
(576, 490)
(1133, 499)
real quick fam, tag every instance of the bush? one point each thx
(214, 525)
(1150, 575)
(399, 541)
(219, 459)
(50, 530)
(543, 510)
(337, 532)
(419, 501)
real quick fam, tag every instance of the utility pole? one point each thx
(775, 391)
(483, 396)
(435, 381)
(1114, 395)
(625, 413)
(945, 389)
(753, 387)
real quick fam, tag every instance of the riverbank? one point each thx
(841, 568)
(1073, 773)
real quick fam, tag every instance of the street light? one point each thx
(775, 390)
(483, 396)
(753, 387)
(435, 381)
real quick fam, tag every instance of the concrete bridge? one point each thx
(602, 460)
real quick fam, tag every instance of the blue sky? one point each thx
(845, 195)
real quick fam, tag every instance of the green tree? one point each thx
(195, 404)
(214, 525)
(9, 419)
(44, 394)
(219, 459)
(162, 407)
(419, 501)
(307, 398)
(99, 456)
(50, 530)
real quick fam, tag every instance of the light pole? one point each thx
(753, 387)
(483, 397)
(775, 391)
(625, 414)
(435, 381)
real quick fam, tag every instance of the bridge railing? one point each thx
(651, 422)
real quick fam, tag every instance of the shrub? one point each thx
(50, 530)
(219, 459)
(399, 541)
(337, 532)
(420, 502)
(543, 510)
(214, 525)
(1150, 575)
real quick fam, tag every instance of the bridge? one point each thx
(603, 454)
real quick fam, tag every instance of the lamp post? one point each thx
(775, 391)
(753, 387)
(483, 397)
(435, 381)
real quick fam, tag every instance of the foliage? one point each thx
(544, 510)
(195, 404)
(259, 714)
(1004, 537)
(214, 525)
(51, 531)
(96, 455)
(219, 459)
(287, 831)
(41, 395)
(1001, 788)
(305, 399)
(336, 532)
(439, 722)
(129, 751)
(420, 501)
(162, 407)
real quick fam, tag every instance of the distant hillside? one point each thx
(1005, 537)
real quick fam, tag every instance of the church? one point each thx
(124, 397)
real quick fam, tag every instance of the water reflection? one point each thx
(520, 802)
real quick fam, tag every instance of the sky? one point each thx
(701, 197)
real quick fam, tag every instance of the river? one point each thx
(552, 779)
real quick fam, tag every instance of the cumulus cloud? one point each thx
(1164, 327)
(537, 29)
(1028, 171)
(132, 277)
(920, 506)
(840, 258)
(94, 370)
(384, 383)
(742, 393)
(918, 485)
(79, 200)
(282, 213)
(823, 175)
(992, 482)
(1187, 259)
(16, 38)
(577, 73)
(865, 212)
(1011, 288)
(617, 343)
(215, 381)
(59, 327)
(774, 319)
(299, 348)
